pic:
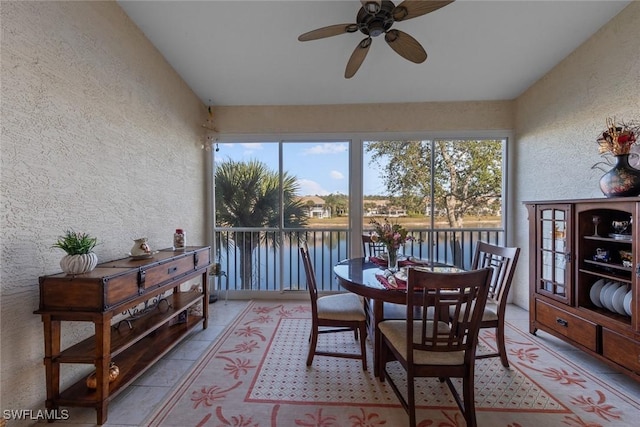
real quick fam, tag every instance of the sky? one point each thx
(321, 168)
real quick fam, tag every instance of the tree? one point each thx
(338, 203)
(310, 204)
(467, 175)
(248, 195)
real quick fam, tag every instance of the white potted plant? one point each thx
(78, 246)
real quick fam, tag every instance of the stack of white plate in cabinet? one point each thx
(594, 294)
(611, 295)
(627, 303)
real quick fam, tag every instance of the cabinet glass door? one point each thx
(553, 265)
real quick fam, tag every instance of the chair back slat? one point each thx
(502, 261)
(438, 293)
(371, 248)
(310, 275)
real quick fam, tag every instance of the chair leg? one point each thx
(469, 402)
(502, 351)
(363, 345)
(411, 400)
(312, 345)
(382, 358)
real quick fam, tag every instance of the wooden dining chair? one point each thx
(334, 313)
(502, 261)
(371, 248)
(442, 348)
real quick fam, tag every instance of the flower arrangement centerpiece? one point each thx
(618, 139)
(392, 236)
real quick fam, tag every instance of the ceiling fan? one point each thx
(376, 17)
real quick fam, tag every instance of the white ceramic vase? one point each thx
(79, 264)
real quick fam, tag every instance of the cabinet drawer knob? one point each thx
(562, 322)
(172, 270)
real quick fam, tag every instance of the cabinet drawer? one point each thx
(165, 271)
(620, 349)
(576, 329)
(92, 291)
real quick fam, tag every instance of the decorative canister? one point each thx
(140, 247)
(179, 239)
(92, 381)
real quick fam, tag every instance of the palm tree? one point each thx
(248, 195)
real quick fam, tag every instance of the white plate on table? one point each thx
(145, 256)
(401, 275)
(385, 256)
(419, 260)
(594, 293)
(617, 299)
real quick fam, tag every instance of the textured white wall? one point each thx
(409, 117)
(99, 134)
(559, 118)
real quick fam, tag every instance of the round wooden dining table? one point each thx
(358, 275)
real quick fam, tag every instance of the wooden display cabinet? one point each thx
(139, 313)
(575, 252)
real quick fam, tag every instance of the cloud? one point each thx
(336, 174)
(311, 188)
(249, 148)
(328, 148)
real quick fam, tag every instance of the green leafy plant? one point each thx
(74, 243)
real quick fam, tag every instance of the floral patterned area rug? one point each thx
(255, 375)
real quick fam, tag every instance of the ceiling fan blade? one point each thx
(357, 57)
(405, 46)
(331, 30)
(411, 8)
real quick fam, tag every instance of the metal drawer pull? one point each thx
(562, 322)
(172, 270)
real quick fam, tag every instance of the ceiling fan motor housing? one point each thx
(380, 23)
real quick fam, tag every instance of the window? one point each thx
(268, 196)
(444, 190)
(271, 194)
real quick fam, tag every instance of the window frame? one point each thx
(356, 157)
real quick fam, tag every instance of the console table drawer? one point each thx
(92, 291)
(163, 272)
(576, 329)
(620, 349)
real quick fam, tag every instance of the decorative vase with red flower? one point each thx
(622, 180)
(392, 260)
(393, 236)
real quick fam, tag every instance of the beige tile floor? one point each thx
(139, 400)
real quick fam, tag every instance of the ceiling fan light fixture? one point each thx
(372, 7)
(376, 28)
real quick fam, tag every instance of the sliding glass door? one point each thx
(448, 192)
(271, 195)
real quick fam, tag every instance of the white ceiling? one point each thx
(247, 53)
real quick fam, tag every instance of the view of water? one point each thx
(327, 248)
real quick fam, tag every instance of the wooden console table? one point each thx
(154, 316)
